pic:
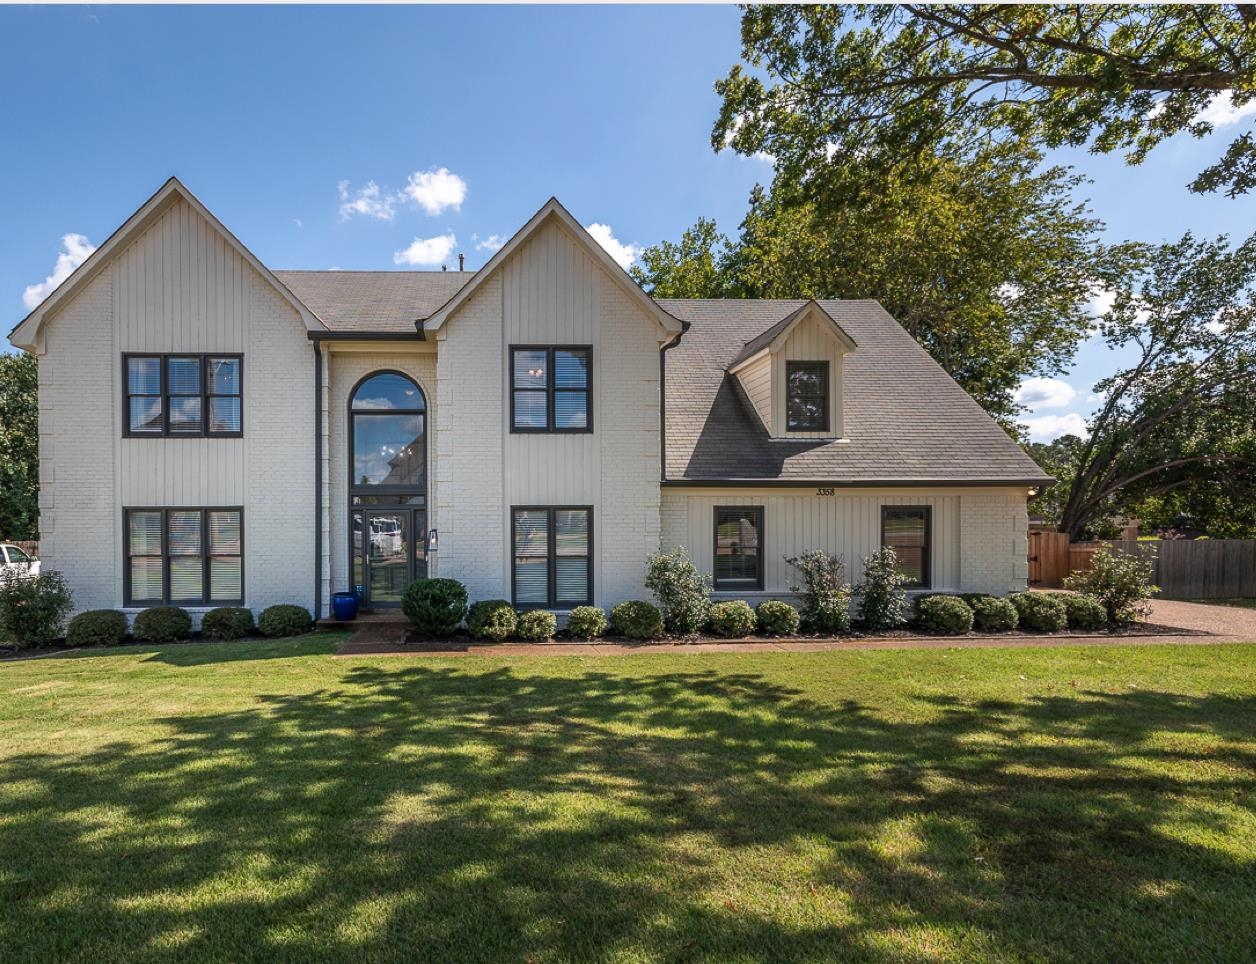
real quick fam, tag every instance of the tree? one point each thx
(19, 447)
(1182, 417)
(697, 267)
(890, 83)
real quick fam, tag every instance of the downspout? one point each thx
(318, 480)
(663, 400)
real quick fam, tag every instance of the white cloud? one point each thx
(493, 242)
(829, 149)
(298, 222)
(368, 201)
(624, 254)
(434, 191)
(1221, 111)
(1100, 302)
(427, 251)
(1037, 393)
(1046, 428)
(75, 249)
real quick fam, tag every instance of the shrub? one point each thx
(994, 615)
(586, 622)
(228, 622)
(882, 601)
(1039, 611)
(435, 607)
(946, 615)
(777, 618)
(1084, 612)
(825, 594)
(732, 619)
(33, 608)
(162, 624)
(537, 624)
(493, 619)
(285, 620)
(683, 593)
(637, 619)
(97, 627)
(1120, 582)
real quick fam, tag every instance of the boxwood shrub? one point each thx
(777, 618)
(285, 620)
(993, 615)
(586, 622)
(537, 624)
(162, 624)
(732, 619)
(945, 615)
(1042, 612)
(97, 627)
(435, 607)
(491, 619)
(1084, 612)
(637, 619)
(228, 622)
(33, 608)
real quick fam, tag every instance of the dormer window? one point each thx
(806, 396)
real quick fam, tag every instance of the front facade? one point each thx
(213, 432)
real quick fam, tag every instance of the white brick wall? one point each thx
(994, 541)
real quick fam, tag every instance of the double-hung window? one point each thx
(552, 556)
(551, 389)
(183, 556)
(183, 395)
(806, 396)
(738, 547)
(906, 530)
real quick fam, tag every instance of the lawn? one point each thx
(264, 801)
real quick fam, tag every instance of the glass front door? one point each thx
(390, 552)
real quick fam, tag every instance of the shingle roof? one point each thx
(904, 418)
(373, 301)
(761, 341)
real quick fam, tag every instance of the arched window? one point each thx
(388, 428)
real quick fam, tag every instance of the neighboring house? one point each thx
(214, 432)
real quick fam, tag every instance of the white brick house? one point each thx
(214, 432)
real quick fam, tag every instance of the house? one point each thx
(217, 432)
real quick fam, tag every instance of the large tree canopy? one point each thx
(891, 83)
(19, 447)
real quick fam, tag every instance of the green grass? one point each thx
(263, 801)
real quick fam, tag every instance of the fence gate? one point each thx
(1048, 558)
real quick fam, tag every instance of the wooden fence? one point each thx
(1183, 569)
(30, 548)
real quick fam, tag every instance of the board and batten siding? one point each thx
(550, 292)
(178, 287)
(808, 342)
(989, 525)
(756, 379)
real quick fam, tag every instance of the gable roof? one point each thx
(905, 419)
(552, 209)
(775, 336)
(384, 302)
(26, 334)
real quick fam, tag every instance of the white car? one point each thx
(13, 559)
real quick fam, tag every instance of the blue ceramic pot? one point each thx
(344, 605)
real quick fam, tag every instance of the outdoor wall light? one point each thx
(433, 541)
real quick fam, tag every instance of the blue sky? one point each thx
(465, 120)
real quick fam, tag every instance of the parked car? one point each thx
(14, 559)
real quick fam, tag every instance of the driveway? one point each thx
(1234, 621)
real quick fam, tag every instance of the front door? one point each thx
(391, 550)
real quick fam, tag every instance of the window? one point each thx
(551, 389)
(738, 545)
(18, 557)
(183, 556)
(387, 415)
(183, 395)
(806, 396)
(553, 558)
(906, 530)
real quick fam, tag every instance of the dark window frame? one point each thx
(826, 396)
(551, 557)
(205, 394)
(358, 489)
(550, 391)
(926, 555)
(754, 510)
(206, 599)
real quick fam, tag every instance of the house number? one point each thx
(824, 491)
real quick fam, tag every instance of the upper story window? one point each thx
(806, 396)
(183, 395)
(387, 434)
(907, 530)
(551, 389)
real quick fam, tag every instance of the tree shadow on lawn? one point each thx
(447, 814)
